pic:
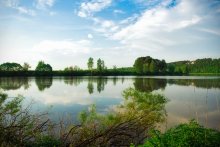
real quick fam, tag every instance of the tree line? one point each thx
(142, 66)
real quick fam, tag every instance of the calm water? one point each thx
(189, 97)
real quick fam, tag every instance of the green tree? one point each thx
(11, 67)
(146, 68)
(90, 64)
(26, 66)
(171, 68)
(138, 65)
(42, 67)
(153, 67)
(162, 66)
(99, 65)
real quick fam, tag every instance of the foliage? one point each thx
(127, 123)
(42, 67)
(26, 66)
(17, 126)
(101, 65)
(142, 66)
(90, 64)
(11, 67)
(148, 65)
(206, 65)
(71, 68)
(191, 134)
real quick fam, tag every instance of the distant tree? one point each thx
(171, 68)
(11, 67)
(76, 68)
(103, 65)
(99, 65)
(153, 67)
(146, 68)
(42, 67)
(162, 66)
(90, 64)
(26, 66)
(138, 64)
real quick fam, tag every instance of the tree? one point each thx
(90, 64)
(26, 66)
(138, 65)
(146, 68)
(103, 65)
(11, 67)
(162, 66)
(76, 68)
(42, 67)
(171, 68)
(99, 65)
(153, 67)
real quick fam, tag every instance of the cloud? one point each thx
(88, 8)
(43, 4)
(159, 27)
(24, 10)
(64, 46)
(118, 11)
(15, 4)
(90, 36)
(10, 3)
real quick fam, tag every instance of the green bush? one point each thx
(185, 135)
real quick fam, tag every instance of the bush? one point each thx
(183, 135)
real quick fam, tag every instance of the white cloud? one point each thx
(24, 10)
(15, 4)
(64, 46)
(118, 11)
(90, 36)
(88, 8)
(159, 27)
(10, 3)
(43, 4)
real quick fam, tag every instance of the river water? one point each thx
(190, 97)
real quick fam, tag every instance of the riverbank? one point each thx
(94, 73)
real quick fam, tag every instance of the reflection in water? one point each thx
(73, 80)
(193, 97)
(90, 87)
(8, 83)
(141, 84)
(43, 82)
(149, 85)
(200, 83)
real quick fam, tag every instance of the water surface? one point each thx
(189, 96)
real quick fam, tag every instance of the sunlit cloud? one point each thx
(88, 8)
(43, 4)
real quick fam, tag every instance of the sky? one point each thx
(67, 32)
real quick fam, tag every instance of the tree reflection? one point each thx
(115, 79)
(43, 82)
(101, 82)
(13, 83)
(149, 84)
(200, 83)
(90, 87)
(73, 80)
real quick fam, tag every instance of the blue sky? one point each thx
(68, 32)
